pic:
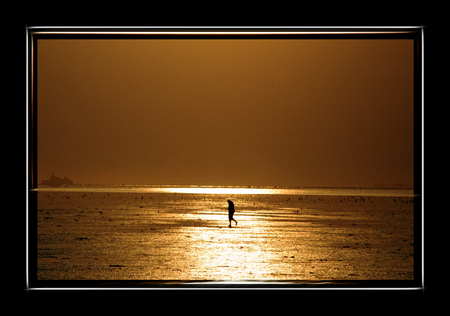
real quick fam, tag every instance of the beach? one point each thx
(173, 236)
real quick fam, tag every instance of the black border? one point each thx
(95, 33)
(225, 33)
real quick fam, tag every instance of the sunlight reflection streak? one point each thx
(213, 190)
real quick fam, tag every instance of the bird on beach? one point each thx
(231, 212)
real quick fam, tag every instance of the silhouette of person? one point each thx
(231, 212)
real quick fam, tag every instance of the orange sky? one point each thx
(226, 112)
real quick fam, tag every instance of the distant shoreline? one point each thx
(232, 190)
(376, 186)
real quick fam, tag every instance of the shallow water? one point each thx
(163, 236)
(267, 190)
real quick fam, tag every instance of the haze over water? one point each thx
(316, 113)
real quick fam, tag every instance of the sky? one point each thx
(279, 112)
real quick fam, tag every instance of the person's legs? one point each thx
(230, 218)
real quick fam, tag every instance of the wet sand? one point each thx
(163, 236)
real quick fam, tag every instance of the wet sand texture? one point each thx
(130, 236)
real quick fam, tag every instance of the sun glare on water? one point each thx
(215, 190)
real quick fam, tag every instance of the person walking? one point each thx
(231, 212)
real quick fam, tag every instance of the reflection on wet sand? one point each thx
(123, 236)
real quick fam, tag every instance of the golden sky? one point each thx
(226, 112)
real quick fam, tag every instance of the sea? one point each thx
(206, 189)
